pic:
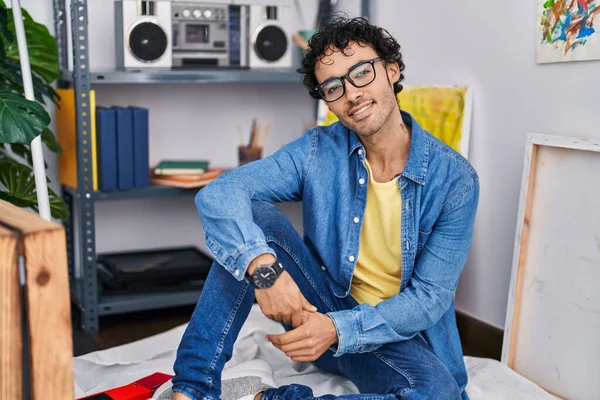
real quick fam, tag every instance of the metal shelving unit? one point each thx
(118, 304)
(283, 75)
(84, 288)
(142, 193)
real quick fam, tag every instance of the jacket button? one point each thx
(323, 267)
(356, 220)
(361, 181)
(351, 258)
(360, 152)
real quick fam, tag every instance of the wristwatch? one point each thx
(264, 276)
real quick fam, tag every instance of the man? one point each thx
(388, 219)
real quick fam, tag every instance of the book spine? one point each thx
(124, 148)
(141, 163)
(107, 148)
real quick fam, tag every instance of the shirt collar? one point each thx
(418, 157)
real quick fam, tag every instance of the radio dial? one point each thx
(186, 13)
(197, 14)
(208, 14)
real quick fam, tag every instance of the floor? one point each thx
(116, 330)
(478, 339)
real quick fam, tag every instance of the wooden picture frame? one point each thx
(33, 251)
(552, 330)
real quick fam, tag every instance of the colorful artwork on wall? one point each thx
(443, 111)
(568, 30)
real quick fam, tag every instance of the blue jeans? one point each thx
(400, 370)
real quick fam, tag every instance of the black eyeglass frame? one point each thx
(372, 61)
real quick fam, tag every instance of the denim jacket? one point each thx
(325, 170)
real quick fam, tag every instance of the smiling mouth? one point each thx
(362, 109)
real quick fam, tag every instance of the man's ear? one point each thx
(393, 71)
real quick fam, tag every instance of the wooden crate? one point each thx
(41, 245)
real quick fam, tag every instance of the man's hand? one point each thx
(283, 301)
(308, 341)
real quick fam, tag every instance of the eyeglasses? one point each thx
(359, 75)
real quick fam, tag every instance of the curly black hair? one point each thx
(339, 33)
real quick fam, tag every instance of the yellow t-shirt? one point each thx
(378, 268)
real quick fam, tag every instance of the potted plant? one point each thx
(22, 120)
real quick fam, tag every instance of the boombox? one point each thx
(270, 33)
(143, 31)
(163, 34)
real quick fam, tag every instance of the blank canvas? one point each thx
(553, 320)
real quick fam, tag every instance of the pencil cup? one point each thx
(248, 154)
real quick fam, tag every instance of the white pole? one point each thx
(39, 169)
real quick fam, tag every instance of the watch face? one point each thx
(264, 277)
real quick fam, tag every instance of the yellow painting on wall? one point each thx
(443, 111)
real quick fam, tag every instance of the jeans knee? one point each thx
(442, 385)
(437, 383)
(269, 218)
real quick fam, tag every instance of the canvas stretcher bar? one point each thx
(555, 279)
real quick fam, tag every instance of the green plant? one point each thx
(22, 120)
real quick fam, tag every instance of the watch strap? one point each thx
(278, 267)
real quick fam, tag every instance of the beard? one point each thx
(371, 124)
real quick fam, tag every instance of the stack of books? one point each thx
(187, 174)
(119, 139)
(122, 143)
(119, 142)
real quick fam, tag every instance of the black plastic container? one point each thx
(154, 270)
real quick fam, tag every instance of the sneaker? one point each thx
(240, 382)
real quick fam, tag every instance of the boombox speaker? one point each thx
(270, 36)
(143, 34)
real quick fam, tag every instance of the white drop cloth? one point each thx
(101, 370)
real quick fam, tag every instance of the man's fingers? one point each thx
(303, 359)
(307, 306)
(299, 353)
(299, 346)
(297, 318)
(287, 337)
(288, 319)
(273, 339)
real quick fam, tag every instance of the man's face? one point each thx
(378, 97)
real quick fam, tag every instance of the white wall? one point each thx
(185, 121)
(491, 46)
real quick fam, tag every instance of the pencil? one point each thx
(252, 132)
(255, 136)
(300, 41)
(264, 136)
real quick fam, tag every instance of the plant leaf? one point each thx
(21, 120)
(11, 71)
(3, 28)
(4, 31)
(50, 140)
(58, 207)
(43, 54)
(23, 151)
(19, 181)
